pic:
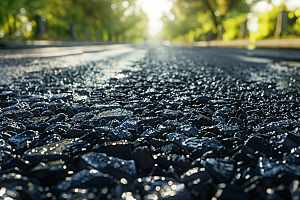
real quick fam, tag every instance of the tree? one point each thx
(16, 13)
(113, 18)
(217, 10)
(196, 17)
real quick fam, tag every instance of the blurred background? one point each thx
(142, 20)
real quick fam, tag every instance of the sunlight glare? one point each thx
(125, 4)
(154, 10)
(291, 4)
(263, 6)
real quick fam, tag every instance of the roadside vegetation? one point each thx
(102, 20)
(196, 20)
(124, 21)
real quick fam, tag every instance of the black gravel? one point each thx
(182, 124)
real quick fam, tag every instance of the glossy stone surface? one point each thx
(177, 124)
(116, 167)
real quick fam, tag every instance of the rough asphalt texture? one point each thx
(175, 124)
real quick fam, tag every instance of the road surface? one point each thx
(279, 66)
(149, 122)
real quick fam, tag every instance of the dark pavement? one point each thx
(149, 122)
(15, 61)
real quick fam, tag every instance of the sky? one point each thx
(154, 10)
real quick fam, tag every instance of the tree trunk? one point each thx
(15, 26)
(9, 28)
(214, 18)
(109, 36)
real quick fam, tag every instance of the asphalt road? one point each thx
(149, 122)
(280, 66)
(108, 60)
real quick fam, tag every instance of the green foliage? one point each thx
(294, 19)
(104, 19)
(194, 18)
(267, 25)
(232, 27)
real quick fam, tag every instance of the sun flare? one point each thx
(154, 10)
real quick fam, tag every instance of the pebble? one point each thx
(182, 127)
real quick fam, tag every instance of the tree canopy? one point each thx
(196, 17)
(217, 10)
(192, 20)
(114, 20)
